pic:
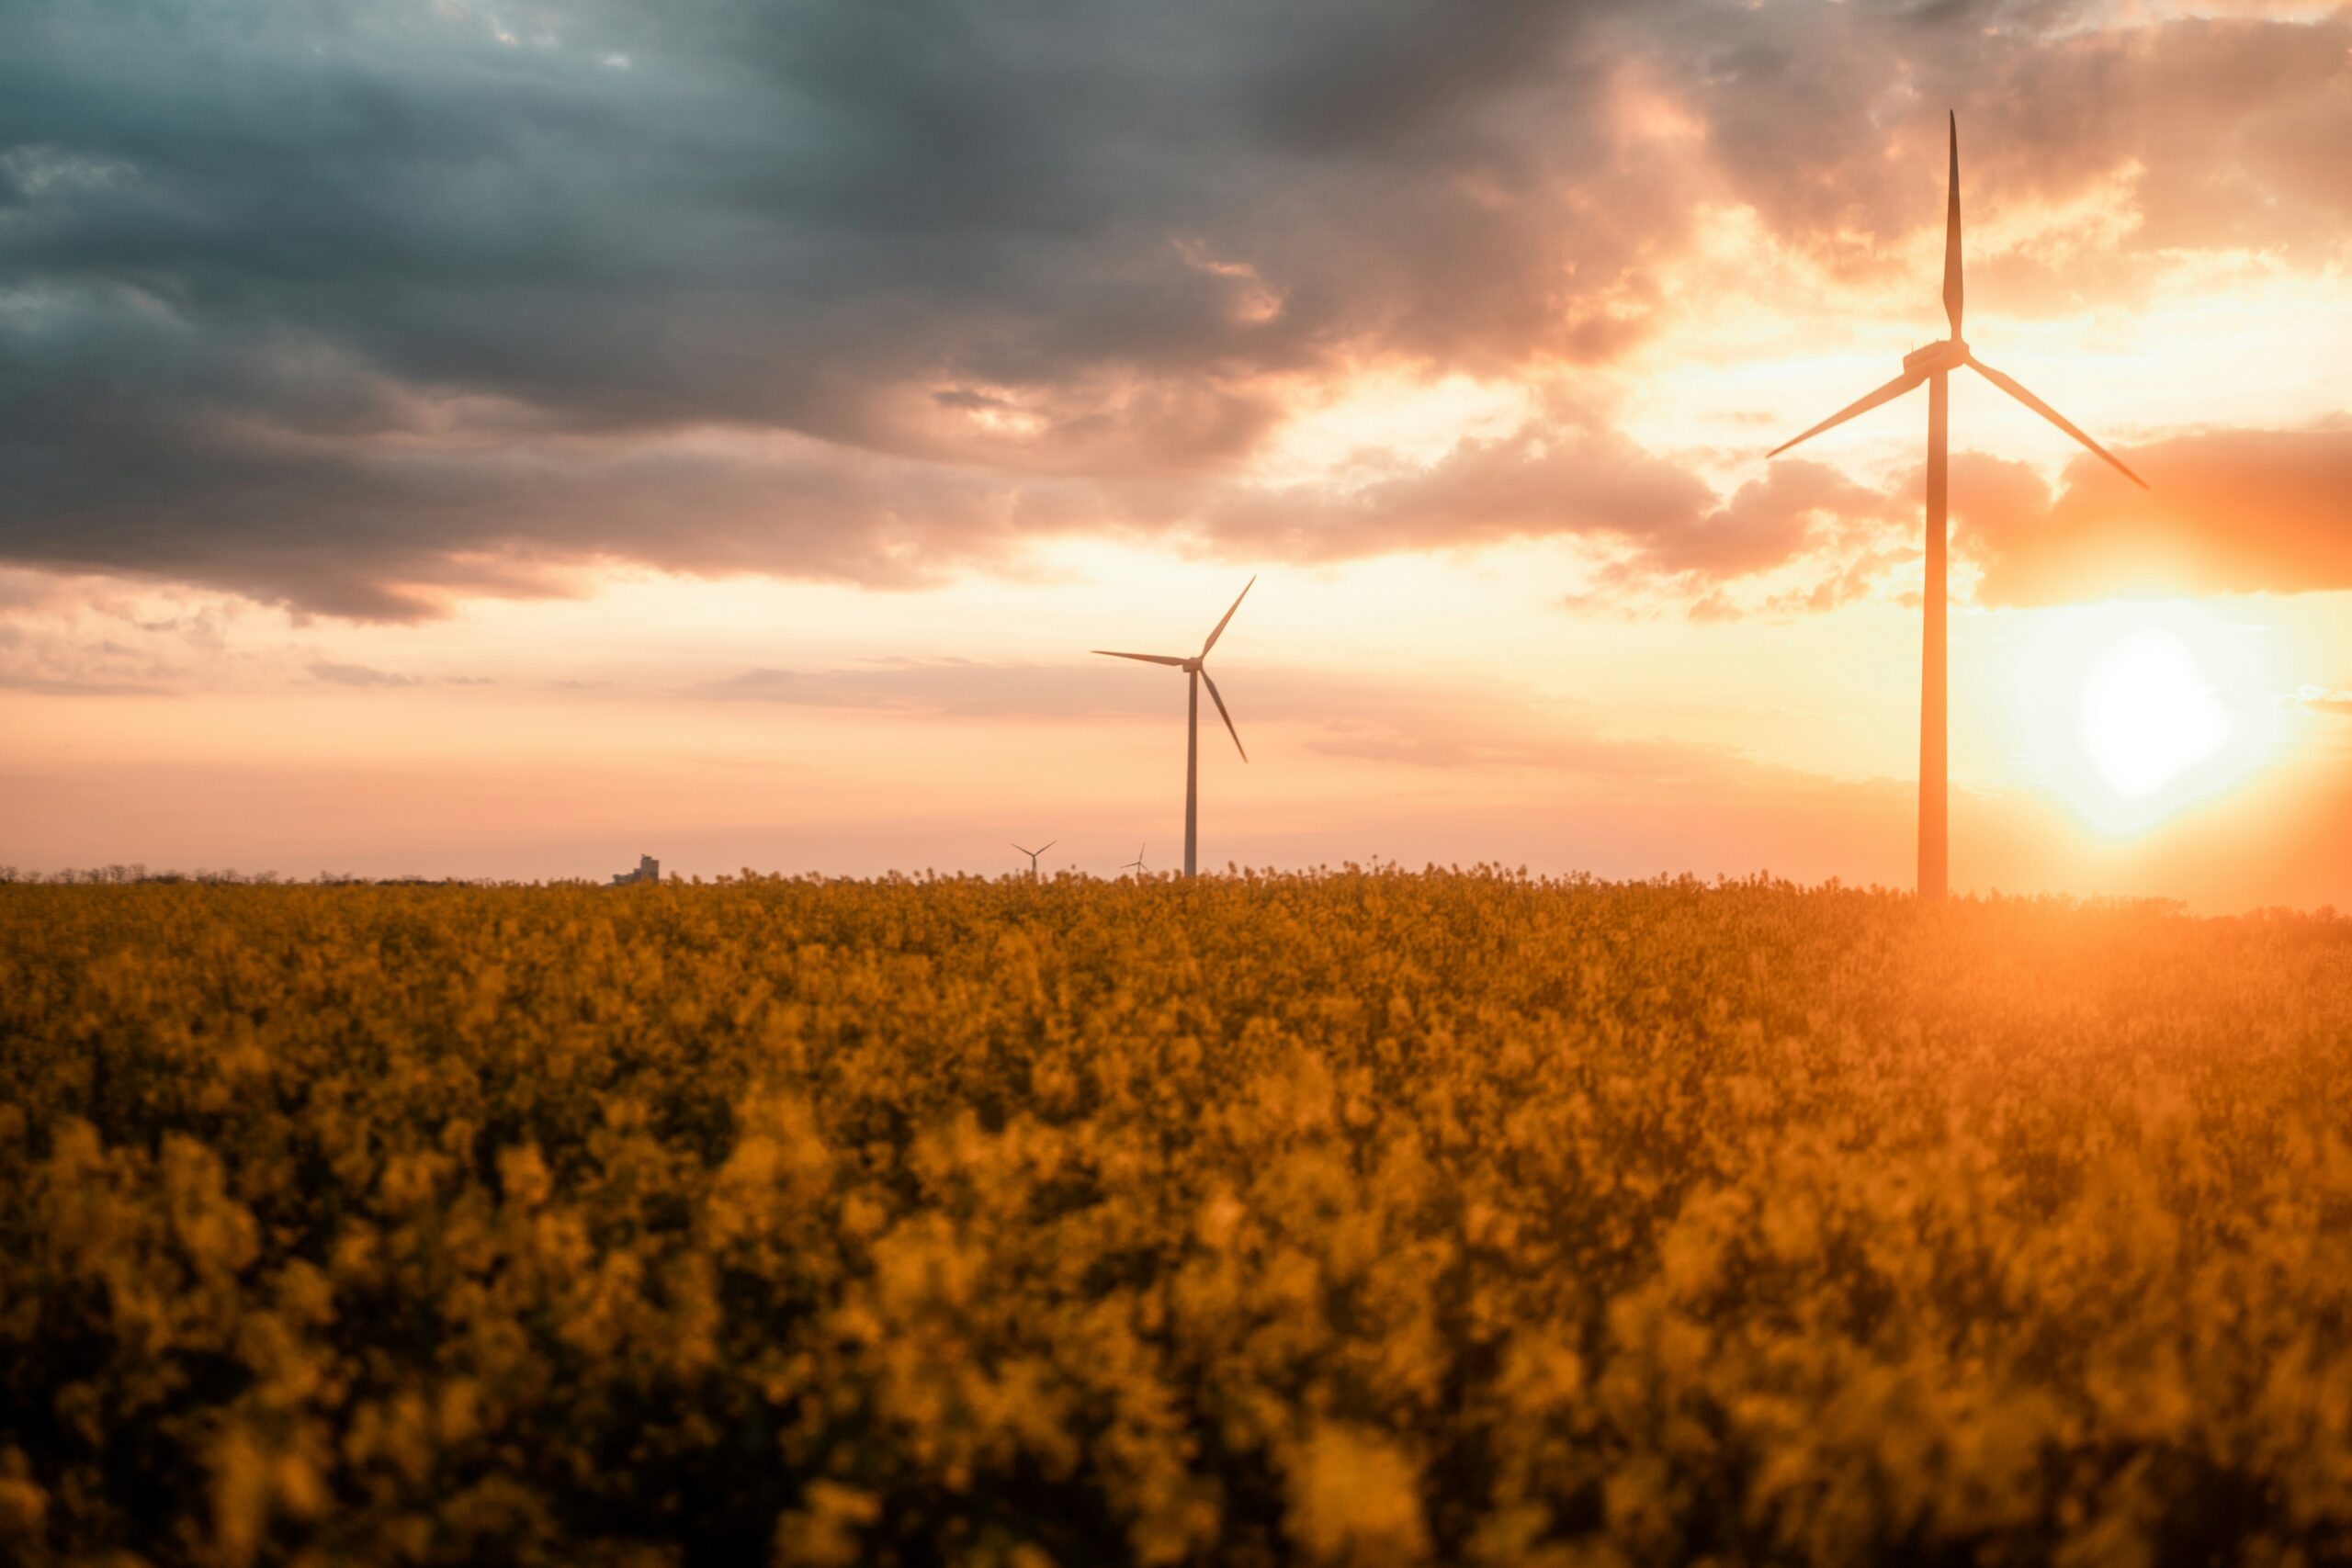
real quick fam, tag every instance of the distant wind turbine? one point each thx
(1135, 865)
(1933, 365)
(1195, 667)
(1032, 855)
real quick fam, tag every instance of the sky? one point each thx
(499, 440)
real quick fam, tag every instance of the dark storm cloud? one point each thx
(292, 299)
(358, 306)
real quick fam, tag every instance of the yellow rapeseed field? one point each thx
(1364, 1218)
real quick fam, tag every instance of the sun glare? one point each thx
(2149, 715)
(2132, 712)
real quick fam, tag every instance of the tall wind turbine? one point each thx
(1933, 365)
(1032, 855)
(1197, 667)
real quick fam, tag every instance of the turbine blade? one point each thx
(1229, 615)
(1222, 714)
(1952, 235)
(1048, 844)
(1018, 847)
(1146, 658)
(1893, 389)
(2052, 415)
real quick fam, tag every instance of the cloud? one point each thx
(957, 687)
(1666, 530)
(1548, 476)
(360, 308)
(2317, 700)
(2227, 511)
(56, 686)
(353, 309)
(100, 645)
(1588, 757)
(1797, 511)
(968, 688)
(1407, 721)
(2178, 132)
(1350, 705)
(336, 674)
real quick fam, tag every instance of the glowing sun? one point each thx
(2132, 712)
(2149, 713)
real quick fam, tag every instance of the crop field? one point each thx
(1357, 1218)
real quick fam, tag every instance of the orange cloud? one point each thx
(2227, 512)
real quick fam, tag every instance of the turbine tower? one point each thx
(1933, 365)
(1032, 855)
(1197, 667)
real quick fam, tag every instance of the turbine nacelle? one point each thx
(1950, 355)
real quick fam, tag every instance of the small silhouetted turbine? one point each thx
(1135, 865)
(1932, 365)
(1197, 667)
(1032, 855)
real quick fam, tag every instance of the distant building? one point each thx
(647, 870)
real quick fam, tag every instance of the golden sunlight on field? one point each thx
(1352, 1219)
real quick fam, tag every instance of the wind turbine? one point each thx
(1135, 865)
(1933, 365)
(1032, 855)
(1197, 667)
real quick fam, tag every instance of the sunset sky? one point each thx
(496, 439)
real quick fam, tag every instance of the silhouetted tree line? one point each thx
(121, 875)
